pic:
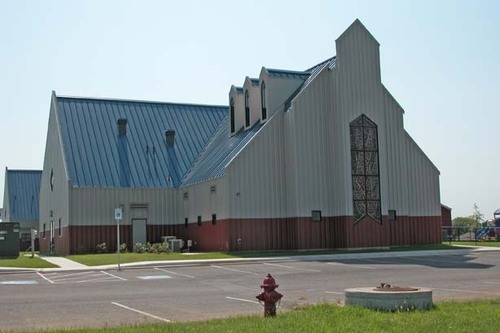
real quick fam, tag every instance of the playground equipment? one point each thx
(490, 229)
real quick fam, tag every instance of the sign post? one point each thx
(118, 217)
(33, 236)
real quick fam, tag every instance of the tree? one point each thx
(477, 215)
(467, 223)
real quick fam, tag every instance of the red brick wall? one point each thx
(262, 234)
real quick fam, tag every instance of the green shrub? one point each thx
(101, 248)
(123, 248)
(139, 248)
(159, 248)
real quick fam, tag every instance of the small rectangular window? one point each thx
(391, 215)
(186, 222)
(316, 215)
(199, 221)
(186, 195)
(213, 189)
(214, 219)
(60, 228)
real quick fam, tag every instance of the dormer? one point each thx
(236, 109)
(251, 101)
(277, 85)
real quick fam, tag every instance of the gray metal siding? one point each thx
(308, 159)
(256, 182)
(56, 201)
(96, 206)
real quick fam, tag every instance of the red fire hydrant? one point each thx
(269, 296)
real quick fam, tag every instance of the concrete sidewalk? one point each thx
(63, 263)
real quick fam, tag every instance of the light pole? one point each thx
(118, 217)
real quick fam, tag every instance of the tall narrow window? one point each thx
(247, 109)
(231, 115)
(60, 228)
(365, 169)
(263, 100)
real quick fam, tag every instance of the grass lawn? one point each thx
(26, 262)
(482, 243)
(476, 316)
(111, 258)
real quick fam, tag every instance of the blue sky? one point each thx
(440, 60)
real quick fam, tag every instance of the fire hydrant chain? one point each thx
(269, 296)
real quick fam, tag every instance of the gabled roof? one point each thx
(97, 156)
(286, 74)
(24, 194)
(218, 153)
(313, 73)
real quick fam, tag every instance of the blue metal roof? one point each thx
(222, 149)
(285, 74)
(24, 194)
(96, 156)
(254, 81)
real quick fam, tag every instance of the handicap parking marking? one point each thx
(154, 277)
(19, 282)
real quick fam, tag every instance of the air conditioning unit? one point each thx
(176, 244)
(165, 239)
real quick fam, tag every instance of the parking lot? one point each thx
(167, 293)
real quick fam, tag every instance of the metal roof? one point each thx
(254, 81)
(24, 194)
(313, 71)
(285, 74)
(97, 156)
(219, 151)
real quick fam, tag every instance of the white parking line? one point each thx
(242, 300)
(141, 312)
(56, 279)
(233, 270)
(105, 279)
(350, 265)
(290, 267)
(174, 273)
(494, 282)
(58, 275)
(334, 292)
(44, 277)
(116, 277)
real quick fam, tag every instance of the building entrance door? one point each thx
(139, 233)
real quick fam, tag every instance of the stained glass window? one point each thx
(365, 169)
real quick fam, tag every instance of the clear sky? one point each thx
(440, 60)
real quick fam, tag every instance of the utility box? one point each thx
(9, 239)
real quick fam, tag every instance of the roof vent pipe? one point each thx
(122, 127)
(170, 138)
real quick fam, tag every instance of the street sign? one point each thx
(118, 214)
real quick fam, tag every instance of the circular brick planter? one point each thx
(390, 300)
